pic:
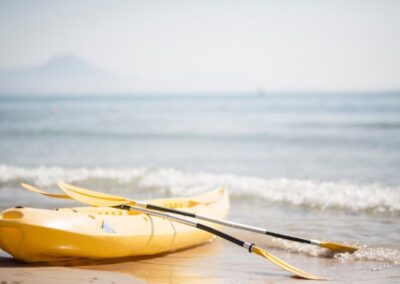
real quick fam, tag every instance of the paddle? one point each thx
(112, 201)
(37, 190)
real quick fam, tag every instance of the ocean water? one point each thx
(322, 166)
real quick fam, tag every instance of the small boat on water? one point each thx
(35, 235)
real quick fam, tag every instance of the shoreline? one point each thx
(215, 262)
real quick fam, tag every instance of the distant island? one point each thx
(66, 74)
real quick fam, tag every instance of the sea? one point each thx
(316, 165)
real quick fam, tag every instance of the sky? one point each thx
(214, 46)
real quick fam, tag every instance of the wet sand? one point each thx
(16, 272)
(215, 262)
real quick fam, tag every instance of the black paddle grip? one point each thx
(288, 237)
(220, 234)
(164, 209)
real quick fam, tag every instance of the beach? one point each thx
(216, 262)
(311, 166)
(116, 115)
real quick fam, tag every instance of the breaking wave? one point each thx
(321, 195)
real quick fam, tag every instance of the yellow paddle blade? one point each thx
(296, 271)
(92, 197)
(37, 190)
(338, 247)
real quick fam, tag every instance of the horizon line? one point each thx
(200, 94)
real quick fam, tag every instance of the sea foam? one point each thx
(371, 198)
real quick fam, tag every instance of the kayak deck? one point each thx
(33, 235)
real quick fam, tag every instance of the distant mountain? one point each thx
(67, 74)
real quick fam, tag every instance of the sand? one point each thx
(15, 272)
(215, 262)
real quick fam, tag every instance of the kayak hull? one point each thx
(34, 235)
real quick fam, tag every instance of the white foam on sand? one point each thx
(365, 253)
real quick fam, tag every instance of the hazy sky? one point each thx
(196, 46)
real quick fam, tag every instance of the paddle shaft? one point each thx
(248, 246)
(228, 223)
(188, 214)
(328, 245)
(190, 223)
(92, 200)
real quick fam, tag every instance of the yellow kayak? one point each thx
(33, 235)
